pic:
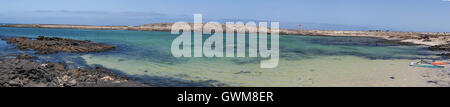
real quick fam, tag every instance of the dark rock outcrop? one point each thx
(21, 72)
(445, 55)
(445, 47)
(51, 45)
(26, 73)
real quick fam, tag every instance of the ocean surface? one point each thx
(304, 60)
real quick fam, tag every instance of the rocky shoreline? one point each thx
(21, 72)
(24, 72)
(51, 45)
(444, 48)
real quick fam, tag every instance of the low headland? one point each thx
(423, 38)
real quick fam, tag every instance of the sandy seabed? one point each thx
(325, 71)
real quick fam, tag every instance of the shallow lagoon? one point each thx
(304, 60)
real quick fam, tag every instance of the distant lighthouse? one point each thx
(299, 27)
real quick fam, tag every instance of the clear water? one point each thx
(146, 57)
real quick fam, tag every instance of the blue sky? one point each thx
(404, 15)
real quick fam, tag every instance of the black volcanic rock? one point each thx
(26, 73)
(51, 45)
(21, 72)
(445, 55)
(445, 47)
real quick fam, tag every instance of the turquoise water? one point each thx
(146, 57)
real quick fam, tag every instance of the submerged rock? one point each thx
(51, 45)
